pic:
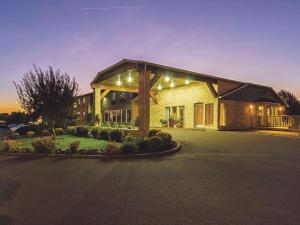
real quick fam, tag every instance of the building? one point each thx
(165, 96)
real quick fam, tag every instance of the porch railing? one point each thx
(282, 121)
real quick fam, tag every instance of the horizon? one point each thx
(253, 41)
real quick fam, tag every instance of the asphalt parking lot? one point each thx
(219, 178)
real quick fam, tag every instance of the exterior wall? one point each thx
(243, 115)
(84, 106)
(225, 86)
(185, 96)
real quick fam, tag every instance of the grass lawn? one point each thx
(63, 141)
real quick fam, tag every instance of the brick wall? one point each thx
(185, 96)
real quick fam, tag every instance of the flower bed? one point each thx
(95, 141)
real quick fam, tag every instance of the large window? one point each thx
(209, 114)
(117, 116)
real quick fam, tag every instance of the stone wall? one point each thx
(186, 96)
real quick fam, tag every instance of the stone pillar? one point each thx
(144, 102)
(97, 105)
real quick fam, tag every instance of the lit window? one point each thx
(222, 115)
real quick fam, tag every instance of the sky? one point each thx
(253, 41)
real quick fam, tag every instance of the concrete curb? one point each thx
(78, 156)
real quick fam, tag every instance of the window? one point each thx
(79, 101)
(83, 100)
(222, 115)
(181, 116)
(83, 114)
(128, 116)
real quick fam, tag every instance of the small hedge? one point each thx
(166, 139)
(154, 144)
(30, 134)
(8, 145)
(116, 135)
(95, 132)
(71, 130)
(74, 147)
(59, 131)
(82, 132)
(153, 132)
(15, 135)
(44, 145)
(128, 148)
(104, 135)
(45, 133)
(111, 148)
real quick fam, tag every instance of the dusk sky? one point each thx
(254, 41)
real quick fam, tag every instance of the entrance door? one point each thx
(209, 114)
(198, 115)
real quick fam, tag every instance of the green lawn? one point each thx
(63, 142)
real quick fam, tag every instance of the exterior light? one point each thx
(129, 78)
(251, 106)
(119, 82)
(159, 87)
(187, 81)
(167, 78)
(172, 84)
(280, 108)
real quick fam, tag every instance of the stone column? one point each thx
(97, 104)
(144, 101)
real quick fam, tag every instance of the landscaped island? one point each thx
(86, 141)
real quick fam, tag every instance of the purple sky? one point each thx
(255, 41)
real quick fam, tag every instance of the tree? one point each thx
(292, 101)
(49, 94)
(4, 116)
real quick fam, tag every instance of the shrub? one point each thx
(8, 145)
(154, 144)
(59, 131)
(116, 135)
(129, 138)
(15, 135)
(71, 130)
(30, 134)
(45, 133)
(104, 135)
(111, 148)
(128, 148)
(44, 145)
(95, 132)
(74, 147)
(166, 139)
(142, 144)
(153, 132)
(82, 131)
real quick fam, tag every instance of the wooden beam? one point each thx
(104, 93)
(154, 79)
(144, 101)
(115, 88)
(153, 97)
(212, 89)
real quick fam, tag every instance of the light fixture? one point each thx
(129, 78)
(280, 108)
(187, 81)
(251, 106)
(159, 87)
(172, 84)
(119, 82)
(167, 78)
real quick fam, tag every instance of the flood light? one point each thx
(187, 81)
(167, 78)
(159, 87)
(172, 84)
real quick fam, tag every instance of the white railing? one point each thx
(282, 121)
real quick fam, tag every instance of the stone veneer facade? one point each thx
(186, 96)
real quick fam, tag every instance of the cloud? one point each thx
(113, 8)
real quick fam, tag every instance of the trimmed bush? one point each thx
(142, 144)
(15, 135)
(59, 131)
(44, 145)
(74, 147)
(45, 133)
(166, 139)
(71, 130)
(30, 134)
(95, 132)
(128, 148)
(129, 138)
(116, 135)
(154, 144)
(82, 132)
(153, 132)
(104, 135)
(8, 145)
(111, 148)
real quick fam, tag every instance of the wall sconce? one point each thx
(167, 78)
(186, 81)
(119, 82)
(172, 84)
(159, 87)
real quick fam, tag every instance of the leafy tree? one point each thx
(18, 117)
(4, 116)
(292, 101)
(49, 94)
